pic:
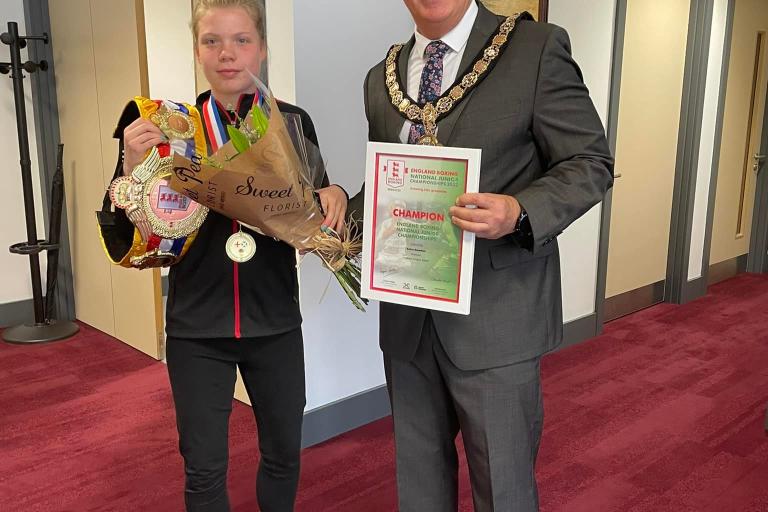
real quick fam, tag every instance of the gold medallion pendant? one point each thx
(430, 113)
(175, 124)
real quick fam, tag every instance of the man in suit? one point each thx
(545, 162)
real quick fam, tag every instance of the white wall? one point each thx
(15, 283)
(170, 50)
(280, 42)
(706, 148)
(315, 64)
(332, 60)
(590, 24)
(170, 77)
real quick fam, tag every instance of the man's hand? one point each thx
(334, 202)
(494, 215)
(138, 138)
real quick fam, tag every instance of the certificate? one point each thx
(412, 253)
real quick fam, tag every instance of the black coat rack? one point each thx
(44, 328)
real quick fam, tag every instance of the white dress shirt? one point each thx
(456, 40)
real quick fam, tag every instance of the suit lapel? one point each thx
(402, 61)
(485, 25)
(393, 121)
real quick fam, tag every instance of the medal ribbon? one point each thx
(185, 147)
(215, 127)
(217, 137)
(217, 133)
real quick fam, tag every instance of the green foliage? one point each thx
(259, 120)
(239, 140)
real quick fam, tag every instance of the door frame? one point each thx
(757, 258)
(617, 64)
(679, 289)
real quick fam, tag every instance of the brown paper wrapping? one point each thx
(261, 187)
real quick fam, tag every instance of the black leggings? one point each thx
(203, 374)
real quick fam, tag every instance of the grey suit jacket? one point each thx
(542, 142)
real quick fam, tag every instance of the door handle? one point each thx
(758, 162)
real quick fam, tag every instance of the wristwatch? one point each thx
(520, 220)
(523, 233)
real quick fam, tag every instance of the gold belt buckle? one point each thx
(143, 196)
(153, 258)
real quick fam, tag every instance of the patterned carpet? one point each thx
(663, 412)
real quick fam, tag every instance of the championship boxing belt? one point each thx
(163, 223)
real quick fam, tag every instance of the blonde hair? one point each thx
(254, 8)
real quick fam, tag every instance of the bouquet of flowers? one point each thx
(265, 177)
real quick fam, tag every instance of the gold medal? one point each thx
(173, 123)
(241, 247)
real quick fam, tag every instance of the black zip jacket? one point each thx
(209, 295)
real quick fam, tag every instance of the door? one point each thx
(646, 150)
(99, 67)
(740, 154)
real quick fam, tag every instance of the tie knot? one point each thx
(436, 49)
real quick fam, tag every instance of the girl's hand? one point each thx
(138, 138)
(334, 202)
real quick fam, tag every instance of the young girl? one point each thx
(223, 315)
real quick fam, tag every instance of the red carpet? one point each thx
(664, 412)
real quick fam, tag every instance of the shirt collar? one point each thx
(456, 39)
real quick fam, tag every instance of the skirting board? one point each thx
(693, 290)
(726, 269)
(633, 301)
(365, 407)
(350, 413)
(579, 330)
(717, 273)
(344, 415)
(17, 313)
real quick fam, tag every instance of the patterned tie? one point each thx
(431, 82)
